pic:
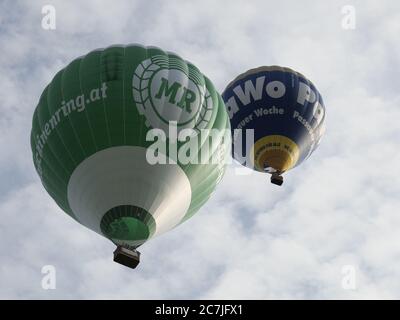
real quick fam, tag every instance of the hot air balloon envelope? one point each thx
(283, 113)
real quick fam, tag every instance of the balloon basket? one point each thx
(128, 257)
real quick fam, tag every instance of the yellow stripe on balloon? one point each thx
(275, 151)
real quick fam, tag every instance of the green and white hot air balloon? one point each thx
(130, 141)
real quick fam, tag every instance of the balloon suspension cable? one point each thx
(127, 256)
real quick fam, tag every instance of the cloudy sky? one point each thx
(336, 216)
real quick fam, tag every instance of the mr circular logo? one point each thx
(165, 90)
